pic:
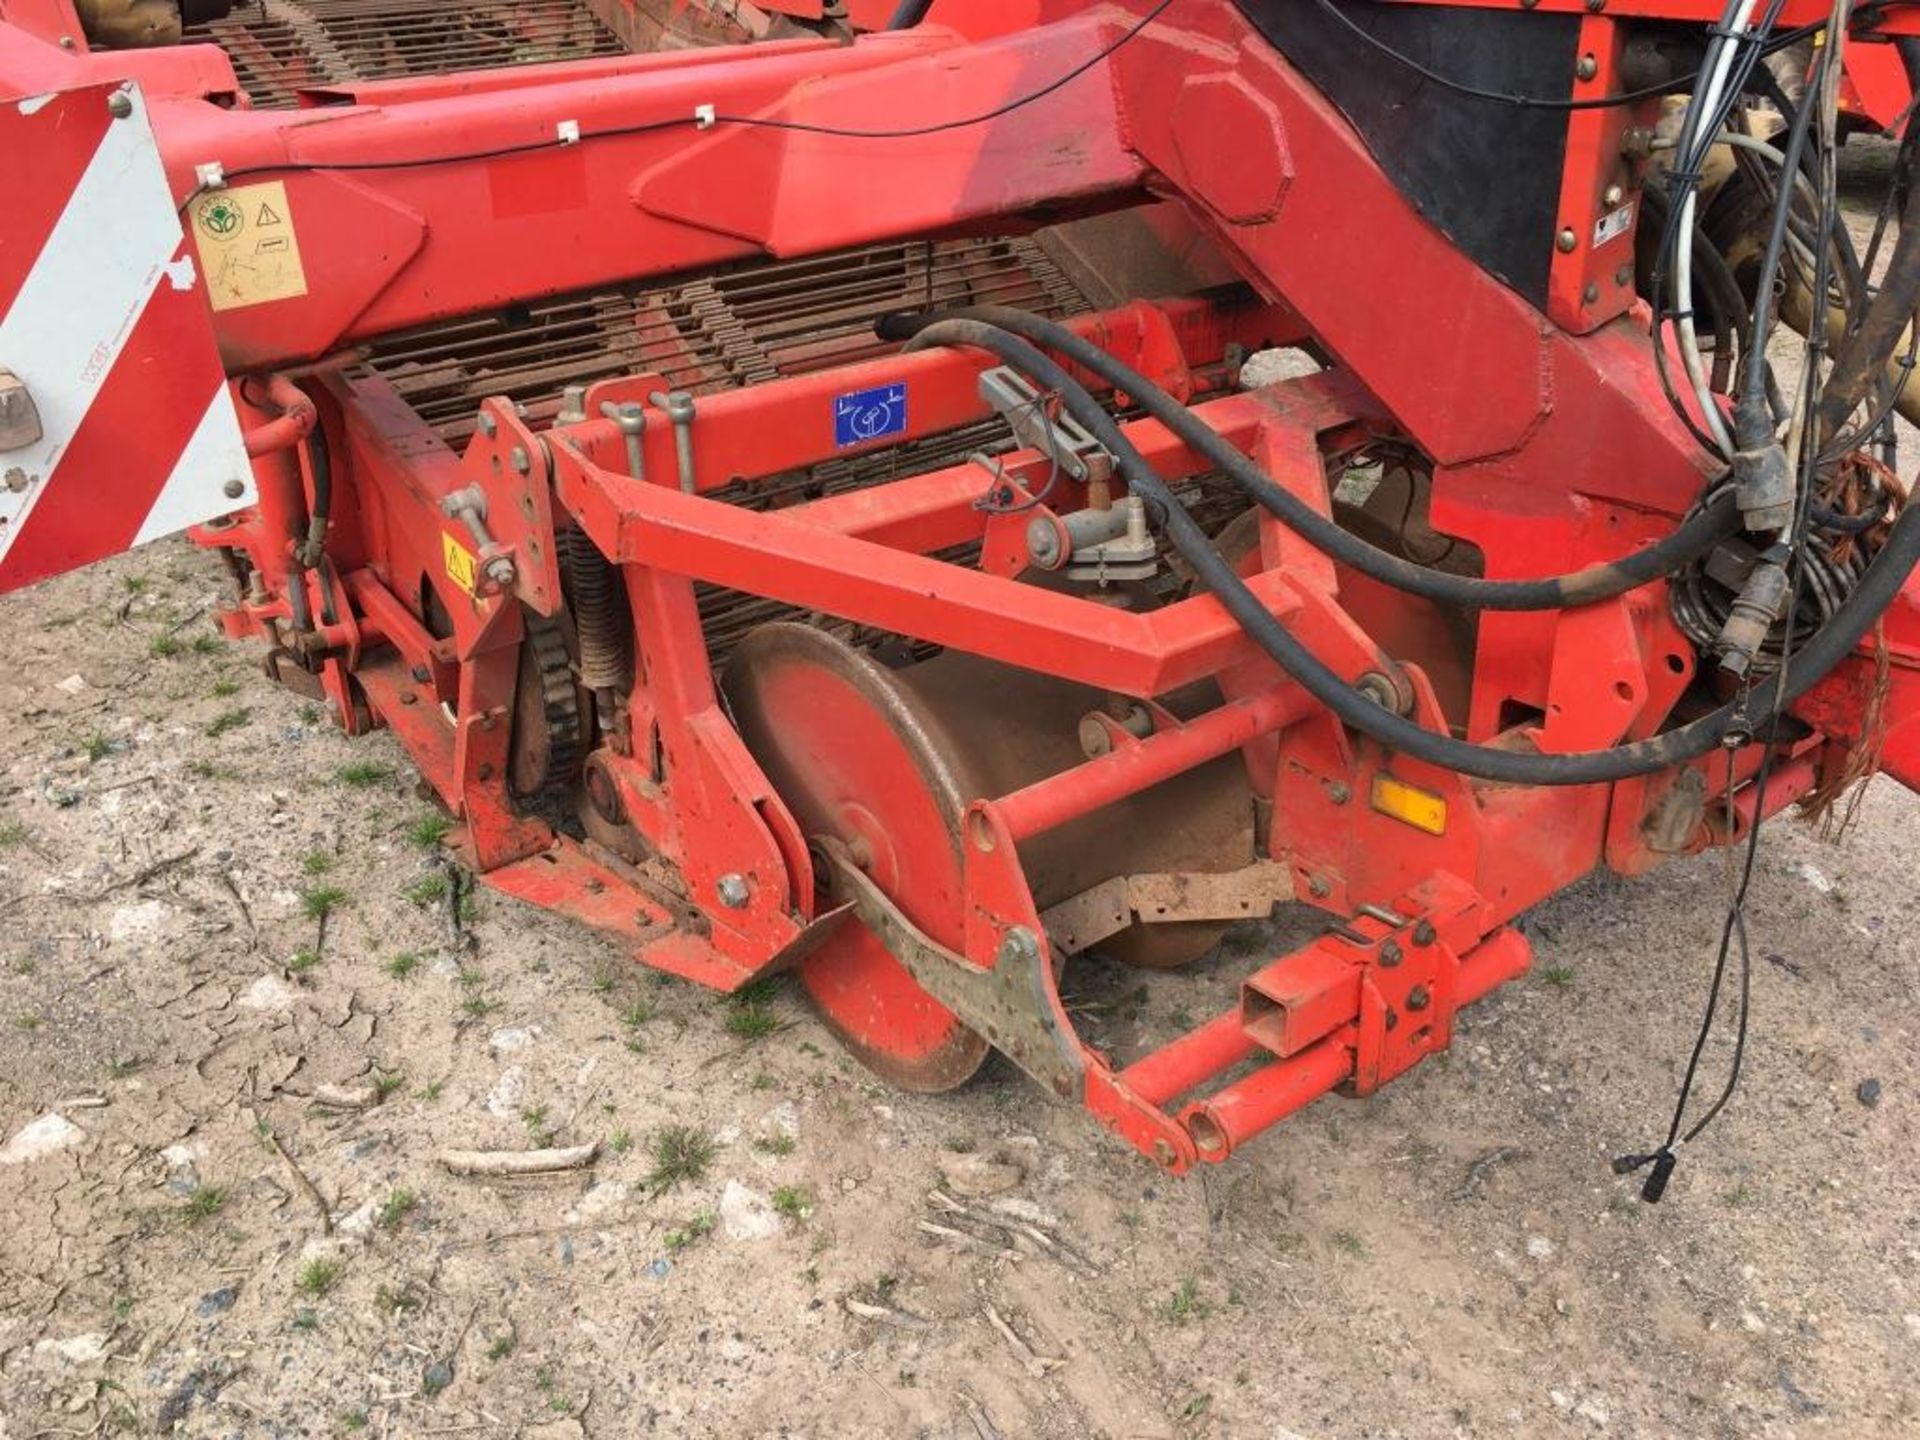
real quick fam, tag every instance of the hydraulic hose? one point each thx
(1731, 723)
(910, 14)
(1699, 533)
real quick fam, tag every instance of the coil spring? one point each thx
(599, 613)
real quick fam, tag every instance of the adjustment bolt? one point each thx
(1587, 68)
(1381, 690)
(1390, 955)
(501, 572)
(732, 890)
(1566, 240)
(1418, 998)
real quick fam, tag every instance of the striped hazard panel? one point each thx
(116, 426)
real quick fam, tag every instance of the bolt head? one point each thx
(1587, 68)
(522, 462)
(1318, 887)
(1590, 295)
(1612, 196)
(488, 426)
(501, 572)
(1339, 793)
(1566, 240)
(1424, 933)
(732, 890)
(1390, 954)
(1623, 277)
(1419, 998)
(233, 489)
(120, 105)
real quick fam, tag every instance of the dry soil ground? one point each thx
(214, 907)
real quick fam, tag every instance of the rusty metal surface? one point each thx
(279, 47)
(1012, 1004)
(1080, 922)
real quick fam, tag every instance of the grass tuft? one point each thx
(320, 901)
(318, 1276)
(681, 1154)
(429, 830)
(396, 1208)
(204, 1204)
(229, 720)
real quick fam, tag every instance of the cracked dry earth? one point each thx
(239, 1031)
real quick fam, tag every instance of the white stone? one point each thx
(604, 1200)
(1593, 1412)
(1752, 1323)
(504, 1099)
(74, 1350)
(1539, 1247)
(508, 1039)
(781, 1122)
(358, 1225)
(746, 1214)
(1815, 877)
(131, 920)
(72, 685)
(1913, 1325)
(269, 993)
(39, 1138)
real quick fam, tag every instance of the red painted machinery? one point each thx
(802, 482)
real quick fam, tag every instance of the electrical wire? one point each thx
(697, 122)
(1733, 931)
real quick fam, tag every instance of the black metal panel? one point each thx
(1487, 174)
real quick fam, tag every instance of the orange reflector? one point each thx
(1409, 804)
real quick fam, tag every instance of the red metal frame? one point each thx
(1550, 444)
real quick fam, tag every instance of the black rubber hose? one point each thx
(910, 14)
(320, 460)
(1826, 649)
(1698, 534)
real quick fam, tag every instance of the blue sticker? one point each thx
(869, 415)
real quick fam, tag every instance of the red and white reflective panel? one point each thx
(104, 320)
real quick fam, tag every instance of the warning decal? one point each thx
(459, 560)
(248, 246)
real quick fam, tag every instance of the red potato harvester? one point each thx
(792, 476)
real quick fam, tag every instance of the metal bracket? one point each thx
(1011, 1004)
(1082, 921)
(1062, 439)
